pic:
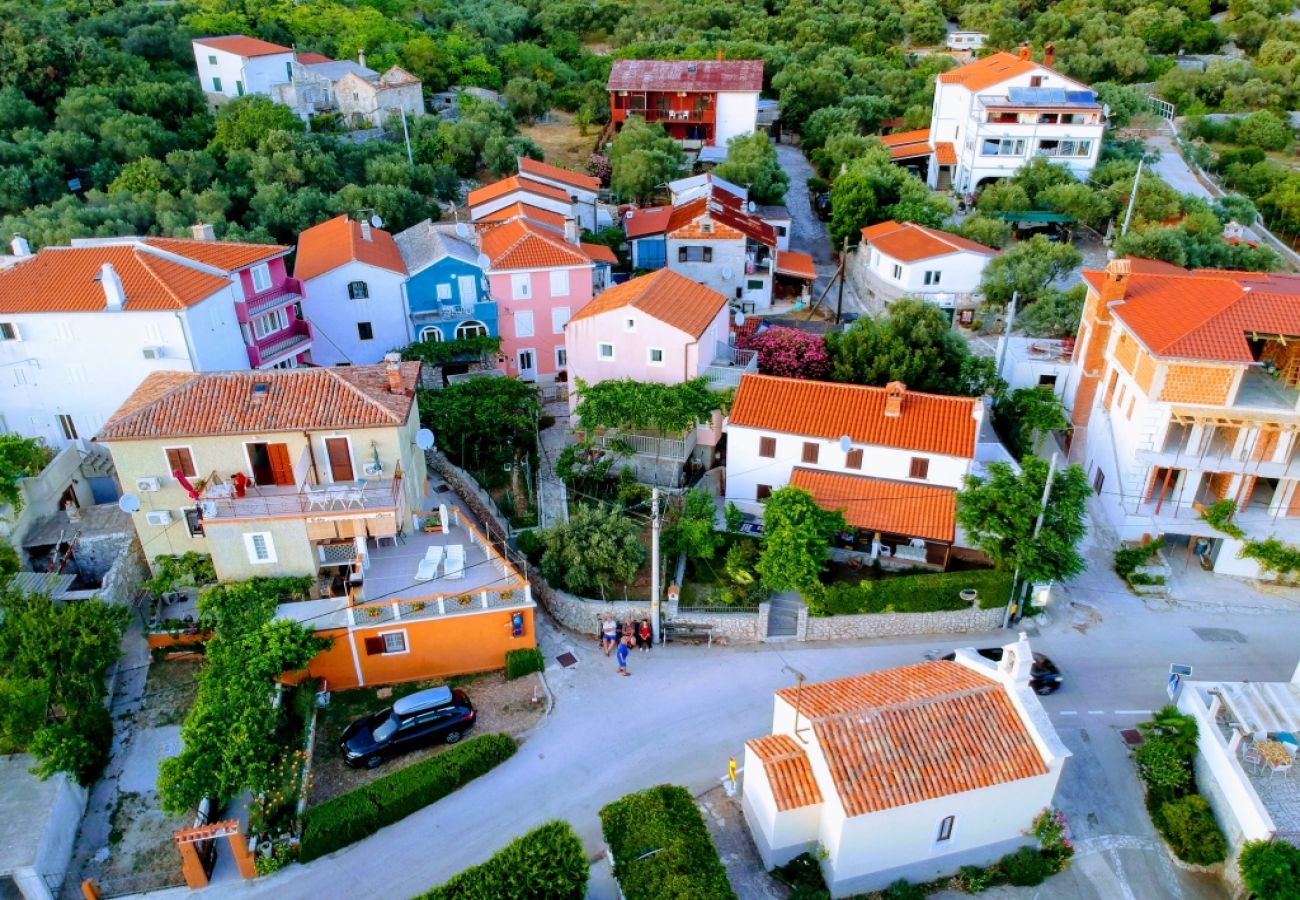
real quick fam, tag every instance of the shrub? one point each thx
(929, 592)
(804, 876)
(975, 880)
(1163, 768)
(902, 889)
(1026, 867)
(359, 813)
(1271, 871)
(523, 661)
(1188, 825)
(529, 543)
(1129, 559)
(547, 863)
(684, 864)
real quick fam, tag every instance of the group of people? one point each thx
(621, 641)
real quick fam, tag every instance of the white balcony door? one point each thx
(527, 365)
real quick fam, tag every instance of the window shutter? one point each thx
(767, 447)
(854, 459)
(374, 646)
(920, 467)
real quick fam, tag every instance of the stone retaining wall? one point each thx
(584, 616)
(480, 503)
(870, 625)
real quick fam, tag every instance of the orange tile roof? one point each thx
(910, 242)
(227, 256)
(555, 173)
(664, 295)
(324, 247)
(196, 404)
(929, 423)
(788, 771)
(66, 279)
(520, 244)
(526, 211)
(242, 45)
(903, 144)
(311, 59)
(987, 72)
(651, 220)
(599, 253)
(800, 265)
(877, 504)
(916, 733)
(1204, 314)
(945, 154)
(684, 215)
(515, 183)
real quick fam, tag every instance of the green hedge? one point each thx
(359, 813)
(1271, 871)
(547, 863)
(930, 592)
(665, 822)
(1188, 825)
(523, 661)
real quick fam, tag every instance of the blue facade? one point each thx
(452, 298)
(649, 252)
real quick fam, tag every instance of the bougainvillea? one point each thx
(789, 352)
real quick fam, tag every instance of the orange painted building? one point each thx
(1186, 387)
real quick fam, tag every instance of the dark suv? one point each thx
(414, 721)
(1044, 677)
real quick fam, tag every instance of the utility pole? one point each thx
(1038, 526)
(1132, 199)
(1006, 337)
(654, 565)
(410, 158)
(844, 272)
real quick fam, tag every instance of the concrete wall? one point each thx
(41, 494)
(334, 315)
(728, 258)
(737, 112)
(959, 273)
(684, 356)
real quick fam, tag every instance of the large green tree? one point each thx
(598, 546)
(1027, 269)
(642, 159)
(694, 531)
(752, 163)
(796, 540)
(998, 513)
(20, 458)
(482, 421)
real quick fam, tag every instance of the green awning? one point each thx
(1036, 216)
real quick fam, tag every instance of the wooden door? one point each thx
(340, 459)
(281, 467)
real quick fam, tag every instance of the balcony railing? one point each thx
(387, 612)
(295, 339)
(678, 448)
(288, 291)
(268, 501)
(729, 364)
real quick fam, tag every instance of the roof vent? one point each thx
(261, 388)
(203, 232)
(365, 231)
(20, 246)
(111, 282)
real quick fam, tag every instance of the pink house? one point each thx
(540, 278)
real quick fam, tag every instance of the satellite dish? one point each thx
(751, 206)
(462, 230)
(376, 221)
(484, 262)
(424, 439)
(846, 443)
(726, 272)
(739, 318)
(128, 503)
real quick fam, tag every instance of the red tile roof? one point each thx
(311, 59)
(706, 75)
(910, 242)
(66, 279)
(197, 404)
(1204, 314)
(520, 244)
(515, 183)
(555, 173)
(945, 154)
(228, 256)
(929, 423)
(877, 504)
(650, 220)
(904, 144)
(599, 253)
(324, 247)
(664, 295)
(788, 771)
(526, 211)
(989, 71)
(916, 733)
(798, 265)
(242, 45)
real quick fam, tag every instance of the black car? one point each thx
(821, 205)
(417, 720)
(1044, 677)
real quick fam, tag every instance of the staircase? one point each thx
(783, 616)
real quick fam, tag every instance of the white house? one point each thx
(903, 259)
(352, 275)
(904, 773)
(891, 459)
(582, 189)
(38, 828)
(81, 326)
(235, 65)
(485, 202)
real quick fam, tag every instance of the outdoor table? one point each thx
(1274, 754)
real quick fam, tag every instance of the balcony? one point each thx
(647, 444)
(276, 501)
(1259, 390)
(281, 345)
(289, 291)
(729, 365)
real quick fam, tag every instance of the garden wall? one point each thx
(582, 615)
(871, 625)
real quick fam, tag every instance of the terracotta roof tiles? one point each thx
(650, 220)
(878, 504)
(334, 242)
(242, 45)
(989, 71)
(945, 154)
(910, 242)
(686, 75)
(515, 183)
(903, 144)
(526, 211)
(599, 253)
(788, 771)
(520, 244)
(664, 295)
(555, 173)
(798, 265)
(928, 423)
(228, 256)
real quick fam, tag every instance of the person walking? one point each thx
(623, 649)
(608, 634)
(644, 636)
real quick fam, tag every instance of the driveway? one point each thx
(1173, 168)
(809, 234)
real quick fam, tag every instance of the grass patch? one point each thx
(929, 592)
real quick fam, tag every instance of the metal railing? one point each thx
(650, 445)
(713, 610)
(382, 493)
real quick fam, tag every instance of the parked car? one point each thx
(1044, 677)
(821, 205)
(414, 721)
(1053, 232)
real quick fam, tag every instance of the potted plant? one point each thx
(432, 523)
(464, 600)
(417, 606)
(373, 612)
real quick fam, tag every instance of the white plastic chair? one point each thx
(317, 497)
(427, 570)
(1251, 756)
(455, 561)
(434, 555)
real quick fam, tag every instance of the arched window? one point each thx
(470, 329)
(432, 334)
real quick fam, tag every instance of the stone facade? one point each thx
(873, 625)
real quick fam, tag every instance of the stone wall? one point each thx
(871, 625)
(480, 503)
(582, 615)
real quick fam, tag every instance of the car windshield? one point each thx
(385, 729)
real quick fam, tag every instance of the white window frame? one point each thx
(650, 356)
(600, 351)
(560, 283)
(406, 642)
(444, 291)
(522, 316)
(259, 273)
(561, 358)
(898, 272)
(478, 328)
(279, 317)
(521, 286)
(559, 318)
(519, 361)
(193, 460)
(250, 547)
(431, 331)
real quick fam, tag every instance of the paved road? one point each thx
(809, 233)
(1173, 168)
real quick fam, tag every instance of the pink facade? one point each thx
(643, 347)
(270, 316)
(535, 305)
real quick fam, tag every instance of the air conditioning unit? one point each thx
(153, 352)
(159, 517)
(148, 484)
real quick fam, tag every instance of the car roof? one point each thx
(422, 700)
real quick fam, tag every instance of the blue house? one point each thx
(646, 231)
(447, 293)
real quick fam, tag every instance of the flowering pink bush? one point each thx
(789, 352)
(598, 165)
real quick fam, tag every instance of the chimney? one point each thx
(721, 55)
(1049, 55)
(571, 231)
(365, 231)
(20, 246)
(361, 58)
(1024, 50)
(201, 232)
(114, 293)
(393, 367)
(894, 392)
(1116, 283)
